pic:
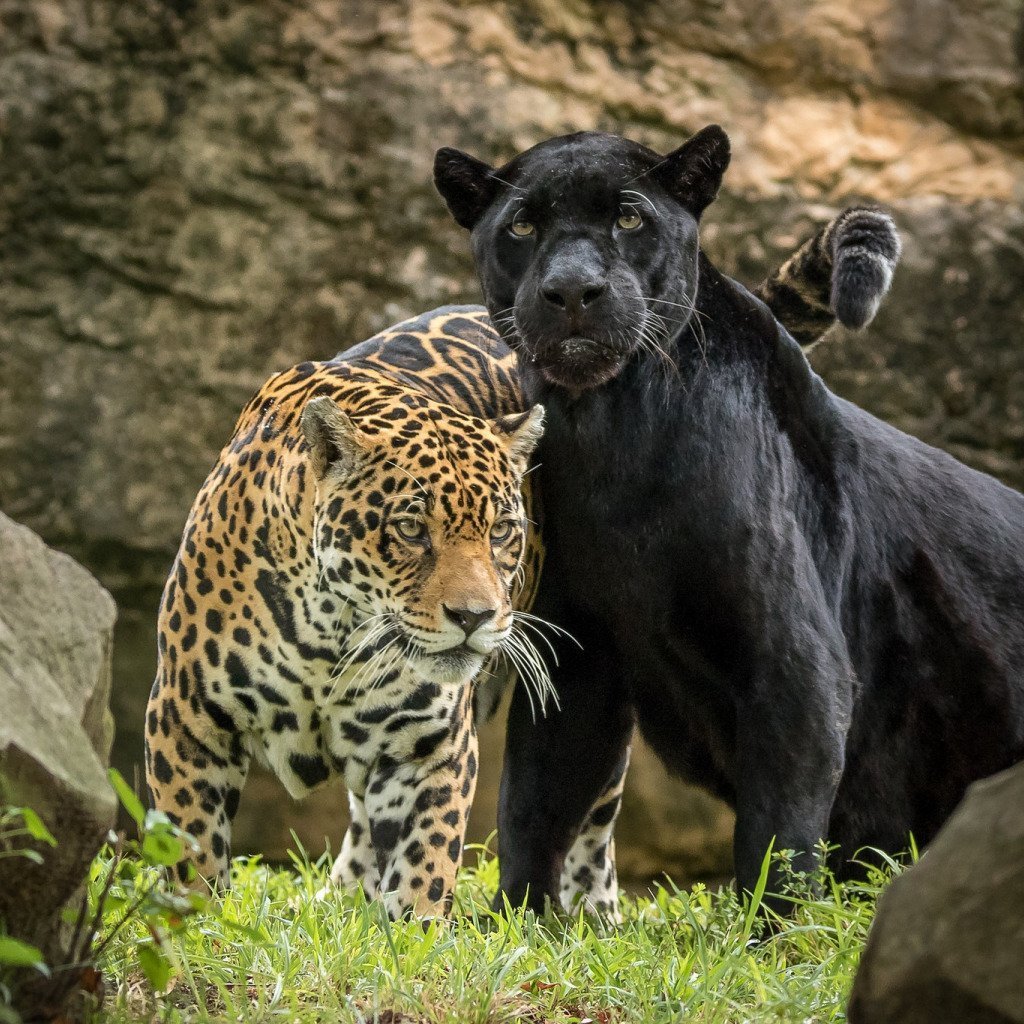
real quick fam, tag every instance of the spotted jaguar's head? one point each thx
(419, 525)
(586, 245)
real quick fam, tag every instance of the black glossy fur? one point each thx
(813, 615)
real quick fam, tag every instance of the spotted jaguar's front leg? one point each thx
(417, 811)
(356, 865)
(589, 879)
(195, 772)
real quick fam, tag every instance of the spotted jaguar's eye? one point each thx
(629, 220)
(502, 530)
(522, 228)
(411, 528)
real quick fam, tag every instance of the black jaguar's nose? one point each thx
(469, 620)
(573, 295)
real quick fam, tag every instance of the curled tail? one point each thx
(841, 273)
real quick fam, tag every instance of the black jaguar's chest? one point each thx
(645, 537)
(623, 509)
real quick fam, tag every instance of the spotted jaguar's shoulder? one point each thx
(452, 354)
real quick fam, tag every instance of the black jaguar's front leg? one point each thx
(783, 803)
(791, 738)
(555, 769)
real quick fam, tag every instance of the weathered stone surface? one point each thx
(948, 941)
(56, 625)
(194, 194)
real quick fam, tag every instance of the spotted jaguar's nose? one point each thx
(468, 619)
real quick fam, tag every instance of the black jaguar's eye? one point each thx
(411, 528)
(502, 530)
(521, 228)
(629, 220)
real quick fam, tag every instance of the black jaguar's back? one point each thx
(938, 613)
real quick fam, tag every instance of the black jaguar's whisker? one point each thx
(651, 344)
(702, 341)
(515, 188)
(633, 192)
(689, 308)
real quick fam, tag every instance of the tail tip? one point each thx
(866, 247)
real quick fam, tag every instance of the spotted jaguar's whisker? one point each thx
(545, 687)
(522, 674)
(547, 640)
(402, 469)
(531, 670)
(547, 624)
(379, 625)
(380, 668)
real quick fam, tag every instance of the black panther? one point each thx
(812, 615)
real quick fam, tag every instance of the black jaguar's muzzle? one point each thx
(579, 363)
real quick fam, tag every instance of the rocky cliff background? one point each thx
(196, 193)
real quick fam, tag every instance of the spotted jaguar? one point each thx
(355, 572)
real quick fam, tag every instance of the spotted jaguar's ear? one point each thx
(334, 440)
(693, 172)
(466, 184)
(521, 431)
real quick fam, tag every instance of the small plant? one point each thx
(129, 889)
(19, 826)
(135, 886)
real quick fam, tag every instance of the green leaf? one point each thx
(35, 826)
(15, 953)
(129, 801)
(155, 966)
(160, 847)
(253, 934)
(758, 893)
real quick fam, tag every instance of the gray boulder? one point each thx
(56, 626)
(948, 941)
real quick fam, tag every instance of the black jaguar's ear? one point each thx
(334, 440)
(693, 172)
(466, 184)
(521, 431)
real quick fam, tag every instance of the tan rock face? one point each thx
(194, 195)
(56, 626)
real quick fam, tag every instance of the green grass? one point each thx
(270, 950)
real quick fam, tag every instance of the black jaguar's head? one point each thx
(586, 245)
